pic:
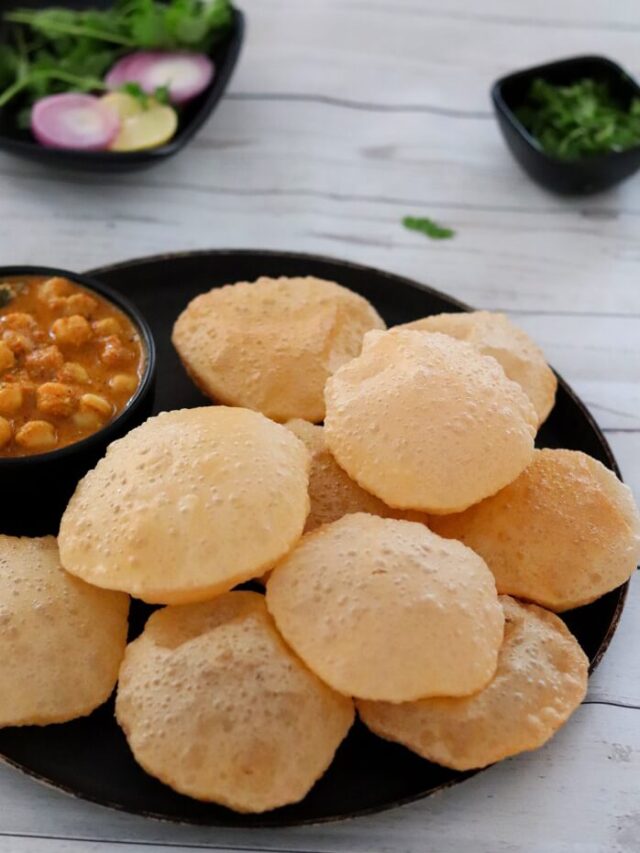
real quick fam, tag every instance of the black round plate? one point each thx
(90, 757)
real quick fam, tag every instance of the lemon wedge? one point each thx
(142, 126)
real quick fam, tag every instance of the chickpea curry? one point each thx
(69, 363)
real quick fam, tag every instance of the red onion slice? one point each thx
(186, 75)
(75, 121)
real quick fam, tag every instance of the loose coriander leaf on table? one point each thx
(428, 227)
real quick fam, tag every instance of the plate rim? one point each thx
(234, 820)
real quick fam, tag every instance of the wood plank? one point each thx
(507, 259)
(617, 679)
(626, 448)
(39, 844)
(578, 793)
(599, 357)
(349, 155)
(413, 56)
(573, 14)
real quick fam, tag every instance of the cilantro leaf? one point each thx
(579, 120)
(161, 95)
(9, 63)
(7, 293)
(427, 227)
(136, 91)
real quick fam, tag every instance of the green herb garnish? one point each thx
(59, 50)
(579, 120)
(136, 91)
(8, 292)
(161, 94)
(427, 227)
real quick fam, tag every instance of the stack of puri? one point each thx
(416, 550)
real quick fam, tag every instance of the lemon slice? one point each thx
(142, 126)
(124, 105)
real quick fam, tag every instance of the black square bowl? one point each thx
(579, 177)
(191, 118)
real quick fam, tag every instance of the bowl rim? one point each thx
(146, 380)
(232, 41)
(505, 110)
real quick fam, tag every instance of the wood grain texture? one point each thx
(344, 116)
(540, 796)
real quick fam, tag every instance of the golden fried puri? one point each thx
(271, 345)
(332, 492)
(381, 608)
(62, 640)
(188, 505)
(215, 705)
(426, 422)
(494, 334)
(561, 535)
(540, 681)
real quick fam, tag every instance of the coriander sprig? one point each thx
(40, 78)
(55, 23)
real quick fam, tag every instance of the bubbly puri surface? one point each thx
(188, 505)
(62, 640)
(270, 345)
(214, 704)
(540, 680)
(382, 608)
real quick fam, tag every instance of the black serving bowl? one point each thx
(191, 117)
(37, 488)
(589, 174)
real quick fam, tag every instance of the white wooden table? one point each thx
(344, 116)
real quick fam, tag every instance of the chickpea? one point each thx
(79, 303)
(56, 399)
(18, 342)
(106, 326)
(123, 383)
(71, 331)
(73, 372)
(96, 403)
(19, 321)
(54, 288)
(114, 352)
(11, 399)
(44, 362)
(87, 420)
(7, 358)
(37, 435)
(5, 432)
